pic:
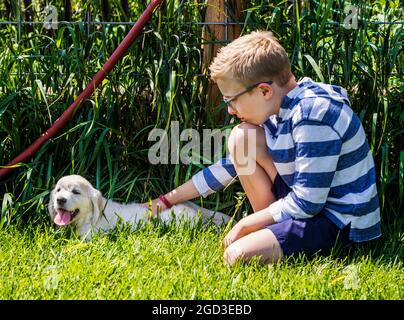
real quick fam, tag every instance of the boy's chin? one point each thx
(253, 121)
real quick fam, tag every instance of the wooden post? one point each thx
(224, 14)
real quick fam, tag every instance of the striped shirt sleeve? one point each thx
(318, 147)
(215, 177)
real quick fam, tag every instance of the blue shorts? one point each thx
(313, 235)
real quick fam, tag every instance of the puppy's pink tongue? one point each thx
(62, 218)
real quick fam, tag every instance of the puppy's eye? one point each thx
(76, 191)
(58, 189)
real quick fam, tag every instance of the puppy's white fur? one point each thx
(74, 201)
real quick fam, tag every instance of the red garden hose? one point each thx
(87, 92)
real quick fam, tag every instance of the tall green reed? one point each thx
(159, 81)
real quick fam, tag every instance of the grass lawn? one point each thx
(163, 79)
(177, 262)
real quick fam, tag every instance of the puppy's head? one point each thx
(74, 199)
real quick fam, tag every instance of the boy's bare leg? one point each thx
(257, 185)
(262, 244)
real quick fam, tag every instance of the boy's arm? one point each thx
(205, 182)
(215, 177)
(184, 192)
(318, 148)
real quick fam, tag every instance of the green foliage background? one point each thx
(161, 80)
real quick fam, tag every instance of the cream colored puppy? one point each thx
(74, 201)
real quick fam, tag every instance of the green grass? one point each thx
(159, 80)
(176, 262)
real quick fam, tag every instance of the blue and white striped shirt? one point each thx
(320, 149)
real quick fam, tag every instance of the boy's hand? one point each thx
(248, 224)
(237, 232)
(157, 207)
(184, 192)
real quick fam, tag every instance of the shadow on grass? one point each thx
(387, 249)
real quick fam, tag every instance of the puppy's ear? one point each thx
(51, 207)
(96, 202)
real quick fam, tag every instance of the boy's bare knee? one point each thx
(239, 135)
(232, 254)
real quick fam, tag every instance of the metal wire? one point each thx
(68, 22)
(228, 23)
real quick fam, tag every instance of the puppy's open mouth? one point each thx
(64, 217)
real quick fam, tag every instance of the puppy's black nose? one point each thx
(61, 201)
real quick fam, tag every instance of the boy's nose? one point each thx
(231, 111)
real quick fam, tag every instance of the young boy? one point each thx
(314, 180)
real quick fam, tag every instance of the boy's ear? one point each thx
(266, 89)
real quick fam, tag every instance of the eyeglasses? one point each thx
(227, 102)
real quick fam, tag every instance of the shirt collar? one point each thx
(286, 104)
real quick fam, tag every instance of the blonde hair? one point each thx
(255, 57)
